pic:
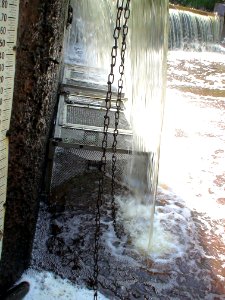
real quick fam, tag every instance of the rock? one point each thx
(56, 228)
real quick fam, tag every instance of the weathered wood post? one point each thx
(39, 51)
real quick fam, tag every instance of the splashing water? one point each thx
(45, 285)
(186, 258)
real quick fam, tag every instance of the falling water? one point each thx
(189, 30)
(90, 38)
(145, 70)
(187, 259)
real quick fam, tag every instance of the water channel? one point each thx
(187, 258)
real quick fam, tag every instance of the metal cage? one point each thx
(76, 146)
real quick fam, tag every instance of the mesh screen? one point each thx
(91, 116)
(69, 162)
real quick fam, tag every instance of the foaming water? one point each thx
(165, 244)
(192, 31)
(46, 285)
(187, 247)
(192, 150)
(188, 235)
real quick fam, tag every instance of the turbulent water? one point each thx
(45, 285)
(86, 43)
(193, 154)
(186, 258)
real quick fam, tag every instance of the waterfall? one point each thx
(193, 31)
(89, 43)
(90, 38)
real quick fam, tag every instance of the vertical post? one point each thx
(220, 10)
(38, 56)
(8, 36)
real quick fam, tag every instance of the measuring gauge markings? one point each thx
(8, 35)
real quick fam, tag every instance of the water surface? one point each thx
(186, 259)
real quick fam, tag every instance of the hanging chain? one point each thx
(118, 108)
(116, 34)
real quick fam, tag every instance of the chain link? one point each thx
(108, 99)
(118, 108)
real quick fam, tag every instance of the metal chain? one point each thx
(118, 108)
(116, 34)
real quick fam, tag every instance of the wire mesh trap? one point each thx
(76, 146)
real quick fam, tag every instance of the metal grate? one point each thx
(70, 162)
(93, 116)
(80, 121)
(94, 138)
(78, 135)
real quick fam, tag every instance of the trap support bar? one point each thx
(60, 143)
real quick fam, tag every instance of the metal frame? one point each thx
(82, 95)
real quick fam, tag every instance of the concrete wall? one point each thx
(220, 9)
(39, 50)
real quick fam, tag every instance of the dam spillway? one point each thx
(194, 30)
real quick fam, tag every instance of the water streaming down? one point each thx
(145, 70)
(90, 38)
(147, 54)
(192, 31)
(187, 260)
